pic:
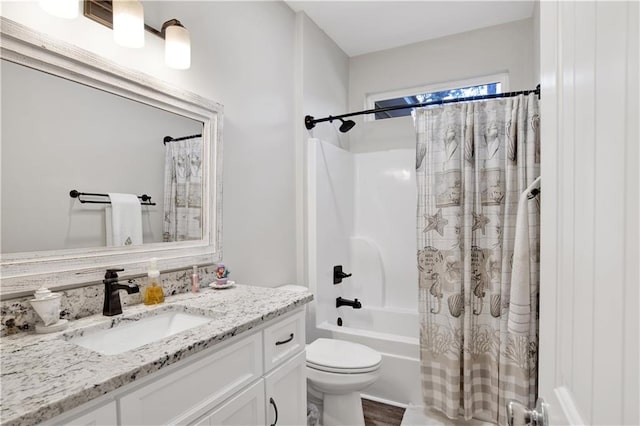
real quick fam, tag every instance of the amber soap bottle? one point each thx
(153, 293)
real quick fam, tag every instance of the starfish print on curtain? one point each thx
(479, 222)
(436, 223)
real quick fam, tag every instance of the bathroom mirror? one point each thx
(89, 125)
(86, 140)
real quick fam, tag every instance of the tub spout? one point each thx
(355, 303)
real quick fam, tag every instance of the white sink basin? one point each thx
(130, 335)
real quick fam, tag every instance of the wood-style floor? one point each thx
(379, 414)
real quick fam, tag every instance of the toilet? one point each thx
(339, 370)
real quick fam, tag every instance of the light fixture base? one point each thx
(169, 23)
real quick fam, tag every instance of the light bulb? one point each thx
(177, 47)
(128, 23)
(61, 8)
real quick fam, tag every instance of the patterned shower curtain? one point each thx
(183, 190)
(474, 160)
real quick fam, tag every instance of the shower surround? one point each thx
(362, 216)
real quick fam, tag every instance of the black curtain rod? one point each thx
(170, 139)
(146, 199)
(310, 122)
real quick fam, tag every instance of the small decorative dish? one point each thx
(222, 286)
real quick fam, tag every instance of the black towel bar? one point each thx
(146, 199)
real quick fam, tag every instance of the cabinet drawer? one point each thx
(283, 339)
(182, 395)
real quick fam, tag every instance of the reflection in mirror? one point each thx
(59, 135)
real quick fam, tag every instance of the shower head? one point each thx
(310, 123)
(346, 125)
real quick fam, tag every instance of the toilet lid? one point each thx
(341, 356)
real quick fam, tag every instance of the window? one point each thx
(459, 89)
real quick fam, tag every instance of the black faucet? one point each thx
(338, 275)
(355, 303)
(112, 304)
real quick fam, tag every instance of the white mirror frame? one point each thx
(22, 273)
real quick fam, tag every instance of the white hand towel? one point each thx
(520, 300)
(124, 220)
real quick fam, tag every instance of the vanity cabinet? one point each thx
(242, 382)
(280, 398)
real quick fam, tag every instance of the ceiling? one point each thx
(360, 27)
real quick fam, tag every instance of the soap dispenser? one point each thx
(195, 280)
(154, 293)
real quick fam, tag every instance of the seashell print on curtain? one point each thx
(183, 190)
(473, 162)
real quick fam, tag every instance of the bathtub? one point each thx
(393, 333)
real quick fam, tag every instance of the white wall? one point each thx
(58, 135)
(325, 81)
(536, 41)
(501, 48)
(243, 57)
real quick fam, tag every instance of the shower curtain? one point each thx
(183, 190)
(478, 331)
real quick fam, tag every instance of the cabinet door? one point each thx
(247, 408)
(286, 393)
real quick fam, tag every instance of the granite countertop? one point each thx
(44, 375)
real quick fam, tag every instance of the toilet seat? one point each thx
(339, 356)
(342, 370)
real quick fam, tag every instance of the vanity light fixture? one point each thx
(128, 23)
(126, 17)
(67, 9)
(177, 45)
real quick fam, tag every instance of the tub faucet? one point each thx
(112, 304)
(355, 303)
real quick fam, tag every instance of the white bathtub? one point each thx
(393, 333)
